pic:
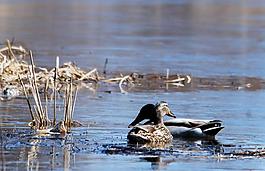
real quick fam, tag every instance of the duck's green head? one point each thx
(153, 113)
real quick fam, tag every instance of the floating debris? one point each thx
(127, 80)
(13, 63)
(143, 82)
(245, 153)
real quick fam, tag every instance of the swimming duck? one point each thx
(181, 127)
(155, 132)
(9, 93)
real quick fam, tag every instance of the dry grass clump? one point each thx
(39, 112)
(38, 84)
(14, 68)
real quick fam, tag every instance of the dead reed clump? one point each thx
(39, 112)
(14, 67)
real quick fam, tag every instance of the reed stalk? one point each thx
(27, 98)
(74, 102)
(54, 89)
(33, 91)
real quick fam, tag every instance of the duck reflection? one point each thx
(157, 162)
(191, 147)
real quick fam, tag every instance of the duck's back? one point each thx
(150, 133)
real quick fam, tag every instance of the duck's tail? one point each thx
(212, 128)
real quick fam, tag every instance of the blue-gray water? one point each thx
(201, 38)
(106, 116)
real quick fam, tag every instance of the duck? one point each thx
(9, 93)
(181, 127)
(154, 132)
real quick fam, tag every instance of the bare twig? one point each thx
(88, 75)
(17, 48)
(175, 80)
(121, 82)
(10, 50)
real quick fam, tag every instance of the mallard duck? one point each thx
(155, 132)
(194, 128)
(181, 127)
